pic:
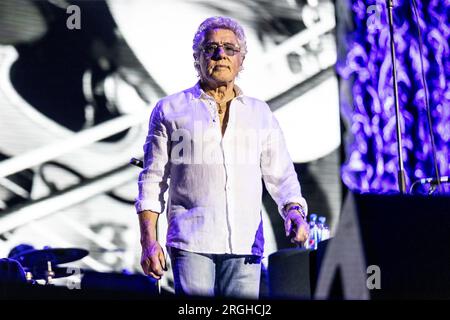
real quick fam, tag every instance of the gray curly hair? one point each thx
(217, 23)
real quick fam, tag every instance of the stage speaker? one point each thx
(289, 274)
(93, 286)
(11, 272)
(118, 285)
(293, 272)
(389, 247)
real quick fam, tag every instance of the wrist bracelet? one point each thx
(299, 209)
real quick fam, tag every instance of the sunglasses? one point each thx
(211, 49)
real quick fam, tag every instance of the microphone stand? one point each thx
(401, 169)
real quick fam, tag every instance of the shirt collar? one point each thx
(198, 93)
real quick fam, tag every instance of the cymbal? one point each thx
(39, 258)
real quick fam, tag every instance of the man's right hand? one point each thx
(153, 261)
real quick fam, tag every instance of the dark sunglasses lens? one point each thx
(229, 50)
(210, 49)
(213, 49)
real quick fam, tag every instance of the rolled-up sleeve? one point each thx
(152, 183)
(279, 175)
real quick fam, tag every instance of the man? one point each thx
(215, 144)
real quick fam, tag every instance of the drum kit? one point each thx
(44, 264)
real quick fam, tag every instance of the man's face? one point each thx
(219, 63)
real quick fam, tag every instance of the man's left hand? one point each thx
(294, 224)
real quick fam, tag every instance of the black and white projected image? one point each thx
(79, 79)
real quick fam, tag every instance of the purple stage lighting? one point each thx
(367, 100)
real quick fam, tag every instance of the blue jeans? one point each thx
(220, 275)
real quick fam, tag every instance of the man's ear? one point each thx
(241, 67)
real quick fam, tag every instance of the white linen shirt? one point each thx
(214, 181)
